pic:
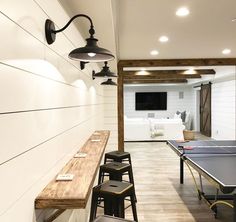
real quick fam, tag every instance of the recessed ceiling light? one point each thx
(190, 70)
(163, 39)
(154, 52)
(142, 73)
(226, 51)
(233, 20)
(183, 11)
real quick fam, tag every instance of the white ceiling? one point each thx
(131, 28)
(204, 33)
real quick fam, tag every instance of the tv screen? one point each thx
(151, 101)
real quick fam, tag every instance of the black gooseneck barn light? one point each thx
(109, 82)
(105, 72)
(89, 53)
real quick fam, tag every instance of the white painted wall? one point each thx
(48, 108)
(173, 101)
(223, 110)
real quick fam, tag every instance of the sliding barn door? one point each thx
(205, 110)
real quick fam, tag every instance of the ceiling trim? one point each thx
(161, 76)
(177, 62)
(145, 81)
(172, 72)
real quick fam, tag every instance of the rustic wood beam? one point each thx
(172, 72)
(177, 62)
(155, 81)
(120, 108)
(161, 76)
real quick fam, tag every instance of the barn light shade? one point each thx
(109, 82)
(105, 72)
(91, 52)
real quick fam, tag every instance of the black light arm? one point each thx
(51, 31)
(91, 30)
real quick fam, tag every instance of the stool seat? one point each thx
(115, 166)
(117, 156)
(113, 188)
(110, 219)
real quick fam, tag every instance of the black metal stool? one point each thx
(117, 156)
(115, 171)
(113, 194)
(106, 218)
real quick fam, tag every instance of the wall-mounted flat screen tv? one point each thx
(151, 101)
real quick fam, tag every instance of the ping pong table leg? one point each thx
(234, 203)
(181, 168)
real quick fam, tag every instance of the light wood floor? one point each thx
(160, 196)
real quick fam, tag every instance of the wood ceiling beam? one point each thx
(155, 81)
(177, 62)
(172, 72)
(161, 76)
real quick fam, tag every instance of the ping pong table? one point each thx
(214, 160)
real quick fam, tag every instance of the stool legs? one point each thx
(114, 206)
(117, 177)
(119, 208)
(131, 179)
(100, 177)
(94, 204)
(133, 204)
(108, 206)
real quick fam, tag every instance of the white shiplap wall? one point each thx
(223, 110)
(110, 116)
(173, 101)
(48, 108)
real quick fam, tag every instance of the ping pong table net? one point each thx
(207, 149)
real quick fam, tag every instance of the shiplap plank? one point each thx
(29, 169)
(24, 91)
(223, 110)
(31, 129)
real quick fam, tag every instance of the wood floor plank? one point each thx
(159, 194)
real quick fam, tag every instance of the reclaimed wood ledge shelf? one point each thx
(74, 194)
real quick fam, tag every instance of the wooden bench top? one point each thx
(74, 194)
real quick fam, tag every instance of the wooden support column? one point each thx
(120, 97)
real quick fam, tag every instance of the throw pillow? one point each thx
(177, 116)
(182, 115)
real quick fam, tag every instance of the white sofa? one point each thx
(143, 129)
